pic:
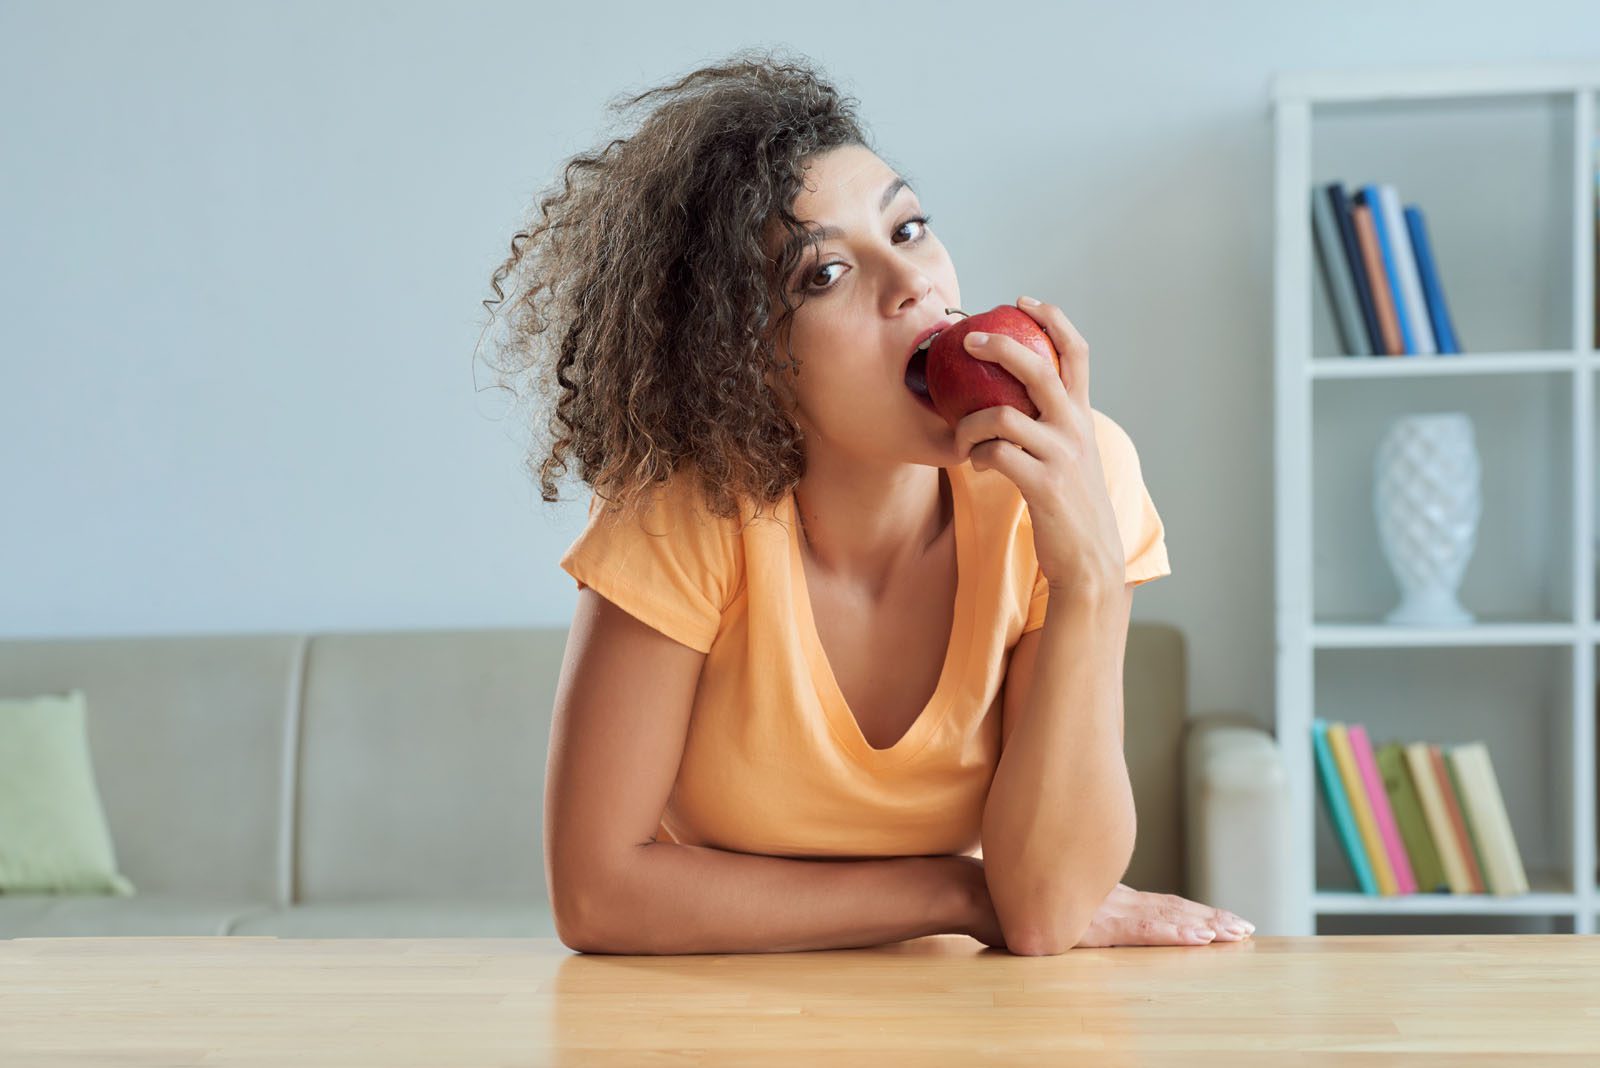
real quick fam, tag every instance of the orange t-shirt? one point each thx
(774, 761)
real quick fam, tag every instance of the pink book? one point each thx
(1361, 747)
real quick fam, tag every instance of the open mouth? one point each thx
(917, 372)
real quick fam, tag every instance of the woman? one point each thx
(813, 617)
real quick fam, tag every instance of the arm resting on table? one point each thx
(675, 898)
(1059, 823)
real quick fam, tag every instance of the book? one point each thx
(1394, 850)
(1370, 198)
(1426, 866)
(1416, 305)
(1474, 831)
(1372, 842)
(1444, 330)
(1353, 263)
(1458, 820)
(1337, 273)
(1382, 296)
(1339, 807)
(1433, 808)
(1486, 806)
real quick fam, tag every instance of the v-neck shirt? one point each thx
(843, 719)
(774, 760)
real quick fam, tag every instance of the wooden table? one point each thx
(1507, 999)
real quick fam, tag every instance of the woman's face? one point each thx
(868, 292)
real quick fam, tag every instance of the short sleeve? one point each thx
(671, 567)
(1144, 536)
(1144, 545)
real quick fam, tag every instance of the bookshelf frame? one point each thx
(1298, 99)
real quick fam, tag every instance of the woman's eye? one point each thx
(920, 220)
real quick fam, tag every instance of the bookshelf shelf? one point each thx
(1467, 363)
(1376, 635)
(1549, 895)
(1501, 161)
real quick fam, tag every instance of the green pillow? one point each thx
(53, 834)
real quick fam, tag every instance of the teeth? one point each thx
(924, 346)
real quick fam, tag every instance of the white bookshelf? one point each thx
(1501, 160)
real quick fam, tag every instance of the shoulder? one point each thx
(667, 559)
(677, 507)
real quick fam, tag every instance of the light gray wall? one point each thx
(244, 247)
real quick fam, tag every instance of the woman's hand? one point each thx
(1053, 459)
(1129, 917)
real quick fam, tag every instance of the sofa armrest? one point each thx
(1236, 820)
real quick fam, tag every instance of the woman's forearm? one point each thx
(673, 898)
(1058, 825)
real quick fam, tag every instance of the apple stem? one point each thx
(958, 311)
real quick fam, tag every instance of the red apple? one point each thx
(960, 383)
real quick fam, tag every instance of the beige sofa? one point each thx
(390, 784)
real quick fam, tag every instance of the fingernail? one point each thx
(1027, 302)
(1203, 933)
(978, 337)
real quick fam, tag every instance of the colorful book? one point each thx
(1433, 808)
(1394, 849)
(1474, 831)
(1372, 262)
(1427, 868)
(1443, 328)
(1458, 820)
(1394, 222)
(1339, 807)
(1372, 200)
(1337, 274)
(1339, 742)
(1486, 806)
(1340, 202)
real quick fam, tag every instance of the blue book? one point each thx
(1370, 196)
(1358, 271)
(1443, 330)
(1339, 807)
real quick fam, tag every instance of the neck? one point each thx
(867, 525)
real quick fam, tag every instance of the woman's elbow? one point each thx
(1045, 941)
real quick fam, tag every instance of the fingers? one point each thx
(1035, 371)
(1181, 932)
(1074, 350)
(1003, 422)
(1229, 926)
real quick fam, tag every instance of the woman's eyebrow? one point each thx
(889, 193)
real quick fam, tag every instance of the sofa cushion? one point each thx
(190, 738)
(53, 836)
(422, 763)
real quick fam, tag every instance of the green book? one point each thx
(1466, 818)
(1420, 850)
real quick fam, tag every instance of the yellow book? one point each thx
(1361, 809)
(1501, 859)
(1437, 814)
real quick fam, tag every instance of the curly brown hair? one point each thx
(652, 267)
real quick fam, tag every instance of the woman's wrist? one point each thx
(972, 909)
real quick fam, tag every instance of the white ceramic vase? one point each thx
(1427, 499)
